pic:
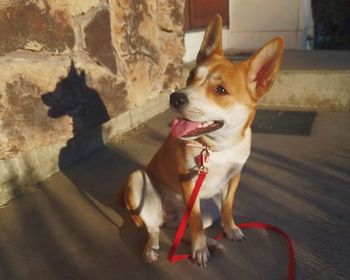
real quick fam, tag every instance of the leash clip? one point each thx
(203, 157)
(203, 169)
(203, 160)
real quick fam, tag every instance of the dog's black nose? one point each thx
(178, 100)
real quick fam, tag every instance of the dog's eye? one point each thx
(221, 90)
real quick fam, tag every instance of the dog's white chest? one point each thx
(221, 167)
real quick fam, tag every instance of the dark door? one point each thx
(198, 13)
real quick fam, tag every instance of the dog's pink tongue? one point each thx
(180, 128)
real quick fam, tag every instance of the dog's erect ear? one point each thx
(212, 41)
(263, 67)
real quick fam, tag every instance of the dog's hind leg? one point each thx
(144, 203)
(210, 212)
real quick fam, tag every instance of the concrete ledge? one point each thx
(311, 80)
(308, 90)
(116, 127)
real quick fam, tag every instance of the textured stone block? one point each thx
(149, 46)
(35, 25)
(99, 41)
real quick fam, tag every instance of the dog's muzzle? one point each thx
(178, 100)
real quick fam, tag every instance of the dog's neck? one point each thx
(226, 139)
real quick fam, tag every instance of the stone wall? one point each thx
(67, 67)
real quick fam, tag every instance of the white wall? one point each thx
(254, 22)
(193, 41)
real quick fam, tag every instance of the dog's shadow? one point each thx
(72, 97)
(99, 177)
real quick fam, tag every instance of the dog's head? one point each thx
(74, 98)
(221, 96)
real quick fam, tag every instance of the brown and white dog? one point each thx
(216, 108)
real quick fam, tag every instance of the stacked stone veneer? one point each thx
(74, 73)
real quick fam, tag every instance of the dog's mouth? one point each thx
(183, 128)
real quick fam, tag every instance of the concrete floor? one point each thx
(72, 227)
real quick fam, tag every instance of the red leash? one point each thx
(291, 261)
(181, 229)
(173, 258)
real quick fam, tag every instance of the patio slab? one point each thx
(73, 227)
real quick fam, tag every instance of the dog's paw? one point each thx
(234, 234)
(201, 256)
(215, 246)
(150, 255)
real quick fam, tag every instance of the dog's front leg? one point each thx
(232, 231)
(199, 248)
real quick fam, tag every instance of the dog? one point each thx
(215, 109)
